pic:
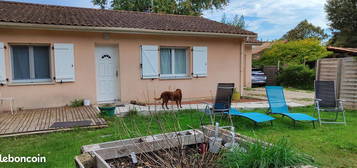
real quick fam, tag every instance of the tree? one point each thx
(101, 3)
(293, 52)
(181, 7)
(342, 15)
(305, 30)
(237, 21)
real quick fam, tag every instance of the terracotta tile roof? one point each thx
(16, 12)
(259, 49)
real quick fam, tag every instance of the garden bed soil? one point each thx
(187, 157)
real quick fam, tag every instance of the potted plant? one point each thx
(236, 95)
(107, 109)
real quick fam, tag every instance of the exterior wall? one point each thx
(248, 66)
(223, 66)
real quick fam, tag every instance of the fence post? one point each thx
(339, 77)
(317, 77)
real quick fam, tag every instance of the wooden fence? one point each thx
(344, 72)
(272, 74)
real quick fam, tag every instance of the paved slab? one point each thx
(304, 97)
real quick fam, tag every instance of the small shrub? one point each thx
(280, 154)
(77, 103)
(297, 76)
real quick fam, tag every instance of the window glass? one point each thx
(21, 62)
(30, 63)
(165, 61)
(180, 61)
(41, 62)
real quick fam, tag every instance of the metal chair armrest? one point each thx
(207, 103)
(340, 104)
(341, 100)
(318, 100)
(317, 103)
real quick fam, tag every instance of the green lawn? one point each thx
(330, 145)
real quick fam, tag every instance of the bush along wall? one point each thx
(297, 76)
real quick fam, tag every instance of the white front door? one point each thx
(107, 73)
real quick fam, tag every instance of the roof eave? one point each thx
(257, 44)
(117, 30)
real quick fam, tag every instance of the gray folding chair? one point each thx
(222, 103)
(326, 101)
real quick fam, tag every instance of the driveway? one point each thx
(303, 97)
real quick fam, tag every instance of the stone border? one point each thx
(151, 109)
(95, 155)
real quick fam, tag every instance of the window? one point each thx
(30, 63)
(173, 62)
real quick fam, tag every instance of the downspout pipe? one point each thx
(241, 75)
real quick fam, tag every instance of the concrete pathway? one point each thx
(304, 97)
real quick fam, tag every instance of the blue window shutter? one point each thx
(199, 55)
(149, 61)
(64, 62)
(2, 64)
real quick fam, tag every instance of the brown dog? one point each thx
(171, 96)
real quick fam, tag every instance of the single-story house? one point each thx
(51, 55)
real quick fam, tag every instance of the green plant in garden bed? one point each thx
(257, 155)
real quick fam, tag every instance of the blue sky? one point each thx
(269, 18)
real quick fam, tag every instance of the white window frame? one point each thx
(173, 75)
(31, 64)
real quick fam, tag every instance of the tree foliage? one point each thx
(293, 52)
(305, 30)
(181, 7)
(342, 15)
(237, 21)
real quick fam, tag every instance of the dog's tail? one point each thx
(158, 98)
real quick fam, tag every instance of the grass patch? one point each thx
(330, 145)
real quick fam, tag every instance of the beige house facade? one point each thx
(49, 63)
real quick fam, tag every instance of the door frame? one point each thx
(118, 90)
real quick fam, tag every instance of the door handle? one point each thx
(116, 73)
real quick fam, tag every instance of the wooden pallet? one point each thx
(40, 120)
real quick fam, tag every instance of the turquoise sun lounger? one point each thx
(253, 116)
(222, 105)
(277, 105)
